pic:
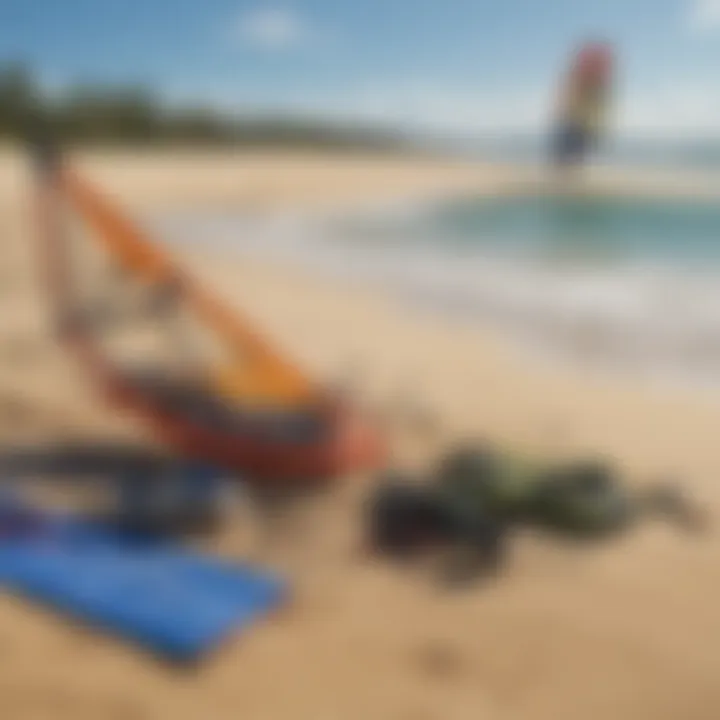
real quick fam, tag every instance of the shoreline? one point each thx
(556, 328)
(538, 360)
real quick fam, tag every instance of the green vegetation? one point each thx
(93, 113)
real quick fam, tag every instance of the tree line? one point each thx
(87, 113)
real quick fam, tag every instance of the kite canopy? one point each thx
(594, 61)
(584, 103)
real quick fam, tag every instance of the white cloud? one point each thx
(704, 15)
(272, 28)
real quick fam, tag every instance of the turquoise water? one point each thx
(586, 228)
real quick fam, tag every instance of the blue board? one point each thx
(176, 603)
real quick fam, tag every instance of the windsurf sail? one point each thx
(157, 342)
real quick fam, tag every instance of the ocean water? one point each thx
(683, 153)
(616, 284)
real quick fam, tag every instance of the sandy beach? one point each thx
(626, 630)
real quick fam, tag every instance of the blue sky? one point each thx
(451, 65)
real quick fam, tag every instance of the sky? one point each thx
(449, 66)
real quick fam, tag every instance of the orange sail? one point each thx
(255, 412)
(263, 373)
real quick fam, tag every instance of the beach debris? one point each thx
(406, 517)
(670, 499)
(181, 498)
(477, 495)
